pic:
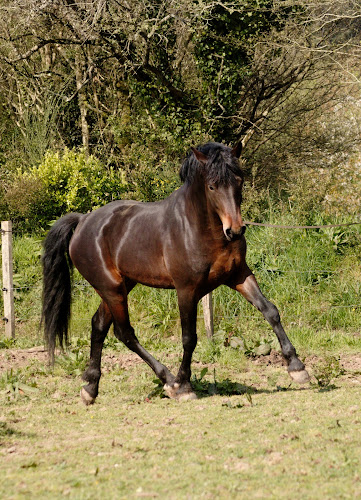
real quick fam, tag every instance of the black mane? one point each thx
(221, 168)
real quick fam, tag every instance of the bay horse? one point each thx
(193, 241)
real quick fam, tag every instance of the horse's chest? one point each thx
(224, 266)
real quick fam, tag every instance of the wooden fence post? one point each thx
(7, 267)
(208, 315)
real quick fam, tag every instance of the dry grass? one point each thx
(277, 441)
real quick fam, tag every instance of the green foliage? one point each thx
(26, 261)
(64, 182)
(223, 388)
(151, 83)
(77, 182)
(326, 370)
(157, 391)
(7, 343)
(40, 131)
(224, 52)
(152, 143)
(73, 362)
(5, 430)
(259, 348)
(12, 386)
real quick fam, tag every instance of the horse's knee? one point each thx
(271, 313)
(189, 342)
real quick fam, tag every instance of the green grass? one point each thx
(312, 276)
(274, 440)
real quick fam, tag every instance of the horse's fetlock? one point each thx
(92, 375)
(289, 353)
(296, 365)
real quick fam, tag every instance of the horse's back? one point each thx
(123, 238)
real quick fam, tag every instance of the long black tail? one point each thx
(57, 271)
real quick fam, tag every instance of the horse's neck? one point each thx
(199, 210)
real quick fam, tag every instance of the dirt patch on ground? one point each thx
(21, 358)
(122, 360)
(275, 358)
(17, 359)
(349, 362)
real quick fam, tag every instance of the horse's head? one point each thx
(223, 181)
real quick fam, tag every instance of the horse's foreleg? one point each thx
(101, 322)
(249, 288)
(182, 389)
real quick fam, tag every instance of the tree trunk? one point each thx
(80, 86)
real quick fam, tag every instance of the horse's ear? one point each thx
(202, 158)
(237, 150)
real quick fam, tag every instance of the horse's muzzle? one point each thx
(232, 235)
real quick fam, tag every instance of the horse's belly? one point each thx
(148, 277)
(150, 271)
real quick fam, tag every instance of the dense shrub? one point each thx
(151, 148)
(64, 182)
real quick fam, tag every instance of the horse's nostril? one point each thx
(229, 233)
(243, 230)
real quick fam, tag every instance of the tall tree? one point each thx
(241, 69)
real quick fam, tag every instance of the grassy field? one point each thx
(250, 434)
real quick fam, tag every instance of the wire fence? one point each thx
(85, 284)
(81, 285)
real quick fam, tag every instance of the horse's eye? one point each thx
(211, 188)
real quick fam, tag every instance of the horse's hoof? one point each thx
(301, 376)
(172, 391)
(187, 396)
(86, 397)
(169, 390)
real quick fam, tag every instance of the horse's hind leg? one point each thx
(101, 322)
(125, 332)
(249, 288)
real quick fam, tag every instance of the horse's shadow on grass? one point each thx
(206, 389)
(228, 388)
